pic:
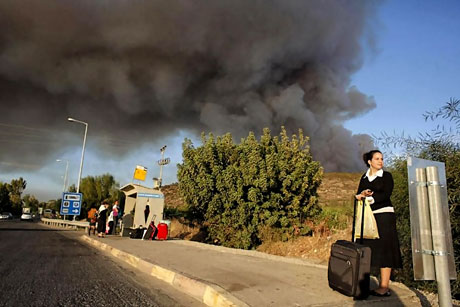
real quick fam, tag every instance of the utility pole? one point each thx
(161, 163)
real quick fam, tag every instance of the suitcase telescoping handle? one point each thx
(354, 222)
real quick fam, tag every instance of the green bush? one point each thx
(244, 191)
(337, 215)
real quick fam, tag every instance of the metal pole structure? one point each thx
(162, 150)
(439, 237)
(65, 176)
(162, 162)
(66, 172)
(82, 152)
(426, 241)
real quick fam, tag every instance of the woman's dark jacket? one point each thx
(382, 188)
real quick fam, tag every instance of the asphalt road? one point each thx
(41, 266)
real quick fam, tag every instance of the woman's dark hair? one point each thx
(369, 155)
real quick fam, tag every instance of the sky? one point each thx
(415, 68)
(406, 63)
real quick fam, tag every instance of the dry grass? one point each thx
(316, 247)
(182, 230)
(338, 187)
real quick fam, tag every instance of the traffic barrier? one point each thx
(65, 223)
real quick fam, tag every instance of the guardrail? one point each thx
(64, 223)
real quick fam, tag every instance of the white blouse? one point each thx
(370, 199)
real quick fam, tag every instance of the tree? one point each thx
(16, 187)
(5, 204)
(95, 189)
(10, 195)
(250, 191)
(29, 201)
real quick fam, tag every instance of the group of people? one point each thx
(103, 220)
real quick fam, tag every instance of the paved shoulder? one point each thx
(242, 277)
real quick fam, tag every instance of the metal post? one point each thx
(82, 152)
(161, 164)
(439, 237)
(82, 158)
(65, 176)
(426, 241)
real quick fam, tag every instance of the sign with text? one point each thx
(140, 172)
(71, 203)
(150, 195)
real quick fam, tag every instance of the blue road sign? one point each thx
(71, 203)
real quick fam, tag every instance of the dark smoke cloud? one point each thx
(140, 70)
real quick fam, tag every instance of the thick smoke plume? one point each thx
(140, 70)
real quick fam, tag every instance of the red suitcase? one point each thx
(162, 231)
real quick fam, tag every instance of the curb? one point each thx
(210, 295)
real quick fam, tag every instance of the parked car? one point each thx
(48, 213)
(27, 216)
(6, 216)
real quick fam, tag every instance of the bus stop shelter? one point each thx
(142, 205)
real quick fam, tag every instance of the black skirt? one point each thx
(385, 251)
(101, 227)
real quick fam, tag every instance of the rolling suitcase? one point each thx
(162, 231)
(151, 232)
(350, 265)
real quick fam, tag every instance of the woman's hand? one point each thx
(367, 193)
(364, 194)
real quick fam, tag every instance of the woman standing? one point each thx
(102, 219)
(376, 185)
(110, 223)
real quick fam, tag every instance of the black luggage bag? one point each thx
(137, 233)
(151, 232)
(350, 265)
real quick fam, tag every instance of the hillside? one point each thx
(337, 189)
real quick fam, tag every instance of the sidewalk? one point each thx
(219, 276)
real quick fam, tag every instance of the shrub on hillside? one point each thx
(241, 191)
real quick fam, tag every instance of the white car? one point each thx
(26, 217)
(6, 216)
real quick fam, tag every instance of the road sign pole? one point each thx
(439, 237)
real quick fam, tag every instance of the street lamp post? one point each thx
(65, 175)
(82, 151)
(66, 171)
